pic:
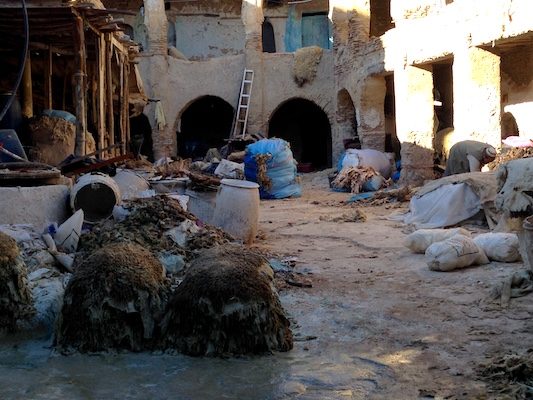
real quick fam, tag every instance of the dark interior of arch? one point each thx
(306, 127)
(204, 124)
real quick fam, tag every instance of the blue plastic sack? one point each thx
(281, 168)
(60, 114)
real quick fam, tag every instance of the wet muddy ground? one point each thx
(376, 324)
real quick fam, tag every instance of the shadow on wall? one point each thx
(205, 123)
(306, 127)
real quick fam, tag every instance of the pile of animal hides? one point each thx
(227, 291)
(357, 179)
(153, 277)
(15, 296)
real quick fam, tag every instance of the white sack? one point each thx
(446, 206)
(230, 169)
(499, 246)
(421, 239)
(456, 252)
(368, 158)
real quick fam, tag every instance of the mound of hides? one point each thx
(15, 295)
(226, 305)
(306, 62)
(113, 301)
(357, 179)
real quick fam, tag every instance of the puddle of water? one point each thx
(317, 369)
(31, 369)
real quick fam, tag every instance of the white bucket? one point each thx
(96, 195)
(237, 209)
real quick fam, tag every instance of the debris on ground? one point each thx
(509, 376)
(226, 304)
(355, 215)
(15, 295)
(175, 169)
(517, 285)
(113, 301)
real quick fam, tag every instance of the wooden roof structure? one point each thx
(101, 54)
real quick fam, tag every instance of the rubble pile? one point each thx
(113, 301)
(226, 305)
(15, 295)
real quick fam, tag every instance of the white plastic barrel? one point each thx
(237, 209)
(95, 194)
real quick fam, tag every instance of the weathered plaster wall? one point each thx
(201, 37)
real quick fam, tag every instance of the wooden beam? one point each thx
(27, 92)
(79, 79)
(101, 58)
(48, 73)
(109, 91)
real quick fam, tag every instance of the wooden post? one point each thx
(127, 101)
(48, 72)
(109, 92)
(27, 92)
(79, 80)
(123, 104)
(101, 94)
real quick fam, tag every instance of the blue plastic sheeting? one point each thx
(281, 168)
(293, 30)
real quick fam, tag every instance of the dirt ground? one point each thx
(373, 301)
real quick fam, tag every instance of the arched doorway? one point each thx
(306, 127)
(205, 123)
(346, 119)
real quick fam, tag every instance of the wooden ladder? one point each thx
(241, 117)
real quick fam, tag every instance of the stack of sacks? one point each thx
(449, 249)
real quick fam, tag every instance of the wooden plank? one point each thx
(27, 91)
(109, 92)
(79, 78)
(48, 72)
(123, 103)
(101, 94)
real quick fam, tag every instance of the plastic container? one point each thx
(237, 209)
(130, 184)
(526, 242)
(95, 194)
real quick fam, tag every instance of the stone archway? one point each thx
(307, 128)
(205, 123)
